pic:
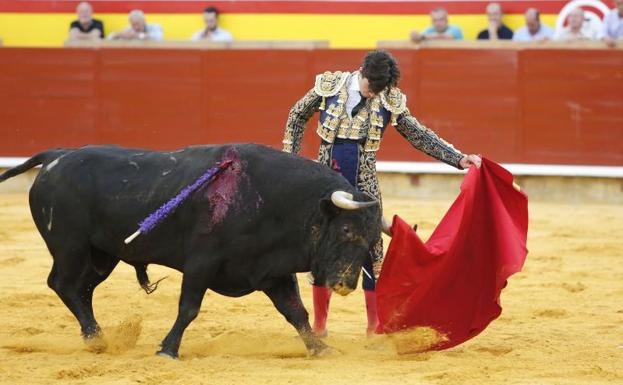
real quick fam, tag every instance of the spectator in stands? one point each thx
(86, 27)
(613, 24)
(576, 29)
(138, 29)
(534, 30)
(212, 32)
(439, 30)
(496, 30)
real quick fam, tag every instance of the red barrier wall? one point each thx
(526, 106)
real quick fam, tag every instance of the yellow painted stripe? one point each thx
(342, 31)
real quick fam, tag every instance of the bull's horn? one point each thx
(345, 201)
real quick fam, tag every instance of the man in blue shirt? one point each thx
(439, 30)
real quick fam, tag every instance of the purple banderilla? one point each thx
(166, 209)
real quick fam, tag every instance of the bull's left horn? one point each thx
(345, 201)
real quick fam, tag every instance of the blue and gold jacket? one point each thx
(329, 96)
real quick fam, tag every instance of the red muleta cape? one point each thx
(452, 283)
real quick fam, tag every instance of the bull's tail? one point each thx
(43, 158)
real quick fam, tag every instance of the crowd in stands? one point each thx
(577, 28)
(86, 27)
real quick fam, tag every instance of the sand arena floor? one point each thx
(562, 321)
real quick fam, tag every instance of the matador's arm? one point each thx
(425, 140)
(416, 133)
(299, 115)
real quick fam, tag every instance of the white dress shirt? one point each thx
(219, 34)
(354, 97)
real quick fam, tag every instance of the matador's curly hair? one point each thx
(381, 70)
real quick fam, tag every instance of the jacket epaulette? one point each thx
(394, 101)
(329, 83)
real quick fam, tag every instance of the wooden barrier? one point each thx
(553, 106)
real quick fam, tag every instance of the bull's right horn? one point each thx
(345, 201)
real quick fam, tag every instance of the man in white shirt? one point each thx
(534, 30)
(138, 29)
(212, 32)
(577, 29)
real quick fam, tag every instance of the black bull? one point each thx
(265, 218)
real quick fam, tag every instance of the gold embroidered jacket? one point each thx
(329, 96)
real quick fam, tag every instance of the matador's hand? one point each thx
(386, 226)
(468, 160)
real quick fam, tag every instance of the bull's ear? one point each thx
(329, 209)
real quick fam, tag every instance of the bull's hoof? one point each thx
(92, 333)
(170, 355)
(323, 351)
(96, 343)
